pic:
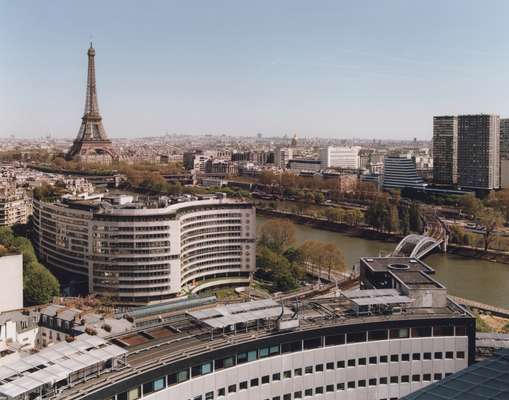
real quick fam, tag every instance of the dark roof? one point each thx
(386, 264)
(485, 380)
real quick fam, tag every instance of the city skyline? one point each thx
(239, 70)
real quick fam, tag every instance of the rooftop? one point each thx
(486, 380)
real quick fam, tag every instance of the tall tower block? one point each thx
(92, 143)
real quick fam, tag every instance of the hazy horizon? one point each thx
(330, 69)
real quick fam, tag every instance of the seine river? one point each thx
(483, 281)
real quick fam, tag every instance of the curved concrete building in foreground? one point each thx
(145, 251)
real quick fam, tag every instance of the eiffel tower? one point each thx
(92, 143)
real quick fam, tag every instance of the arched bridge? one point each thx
(416, 246)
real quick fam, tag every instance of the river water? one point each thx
(483, 281)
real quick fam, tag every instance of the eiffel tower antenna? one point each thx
(92, 143)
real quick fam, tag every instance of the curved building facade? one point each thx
(345, 357)
(139, 252)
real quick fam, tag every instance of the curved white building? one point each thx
(140, 252)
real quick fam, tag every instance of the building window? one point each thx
(221, 392)
(340, 364)
(319, 368)
(291, 347)
(383, 381)
(443, 331)
(460, 354)
(372, 360)
(394, 357)
(243, 385)
(254, 382)
(372, 382)
(383, 359)
(394, 379)
(377, 335)
(416, 356)
(461, 331)
(297, 371)
(334, 340)
(438, 355)
(265, 379)
(405, 357)
(232, 388)
(350, 385)
(361, 383)
(297, 395)
(209, 396)
(437, 377)
(287, 374)
(416, 378)
(329, 365)
(340, 386)
(276, 377)
(351, 362)
(329, 388)
(362, 361)
(312, 343)
(356, 337)
(308, 369)
(421, 331)
(426, 356)
(399, 333)
(426, 377)
(405, 378)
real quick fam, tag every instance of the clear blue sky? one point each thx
(316, 68)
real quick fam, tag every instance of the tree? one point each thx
(275, 268)
(499, 200)
(332, 258)
(39, 284)
(404, 219)
(391, 223)
(490, 219)
(309, 252)
(319, 197)
(414, 216)
(334, 214)
(277, 234)
(470, 204)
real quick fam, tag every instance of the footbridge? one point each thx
(416, 246)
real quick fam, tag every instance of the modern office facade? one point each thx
(445, 150)
(365, 344)
(504, 153)
(479, 151)
(340, 157)
(401, 172)
(146, 251)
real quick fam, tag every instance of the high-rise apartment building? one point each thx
(467, 150)
(445, 150)
(504, 152)
(138, 252)
(340, 157)
(479, 151)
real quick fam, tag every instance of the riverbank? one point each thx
(368, 233)
(476, 253)
(472, 278)
(362, 232)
